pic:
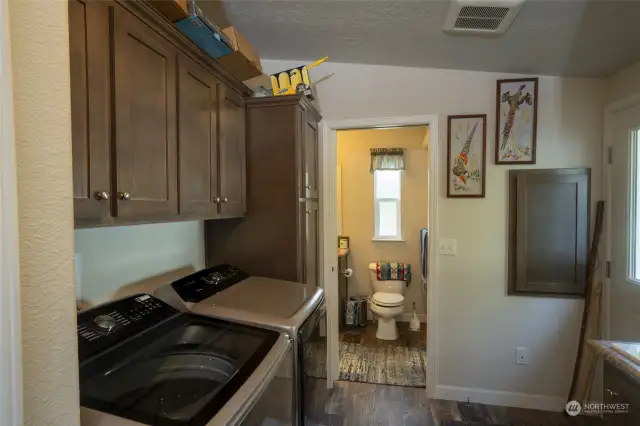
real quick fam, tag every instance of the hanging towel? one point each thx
(424, 258)
(397, 271)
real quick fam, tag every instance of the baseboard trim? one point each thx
(506, 399)
(407, 317)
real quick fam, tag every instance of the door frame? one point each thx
(329, 224)
(11, 407)
(610, 112)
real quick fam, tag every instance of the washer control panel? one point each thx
(108, 324)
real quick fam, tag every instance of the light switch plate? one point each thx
(448, 246)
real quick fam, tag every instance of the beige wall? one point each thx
(623, 84)
(358, 206)
(40, 54)
(479, 326)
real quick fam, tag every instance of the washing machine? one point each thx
(299, 310)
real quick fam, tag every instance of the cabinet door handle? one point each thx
(309, 211)
(102, 195)
(124, 196)
(308, 187)
(225, 200)
(611, 393)
(217, 200)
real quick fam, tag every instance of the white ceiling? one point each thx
(580, 38)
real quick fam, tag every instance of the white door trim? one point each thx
(10, 331)
(607, 142)
(329, 231)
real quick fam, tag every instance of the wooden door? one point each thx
(310, 152)
(232, 155)
(90, 119)
(625, 225)
(311, 239)
(343, 287)
(197, 140)
(145, 120)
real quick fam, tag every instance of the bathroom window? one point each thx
(387, 204)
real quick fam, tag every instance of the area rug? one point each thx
(399, 366)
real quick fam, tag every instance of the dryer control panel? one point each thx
(198, 286)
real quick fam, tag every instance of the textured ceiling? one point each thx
(581, 38)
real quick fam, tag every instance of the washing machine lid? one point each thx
(388, 299)
(225, 292)
(265, 302)
(265, 296)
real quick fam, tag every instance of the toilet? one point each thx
(386, 303)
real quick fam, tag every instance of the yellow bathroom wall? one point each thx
(356, 211)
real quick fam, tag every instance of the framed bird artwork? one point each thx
(516, 121)
(466, 156)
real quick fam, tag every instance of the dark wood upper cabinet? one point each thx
(198, 139)
(278, 236)
(145, 119)
(90, 86)
(548, 231)
(232, 155)
(158, 127)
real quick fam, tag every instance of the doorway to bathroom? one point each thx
(378, 199)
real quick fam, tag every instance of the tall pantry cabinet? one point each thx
(279, 234)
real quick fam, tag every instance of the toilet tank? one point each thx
(389, 286)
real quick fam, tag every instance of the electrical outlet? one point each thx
(448, 246)
(522, 356)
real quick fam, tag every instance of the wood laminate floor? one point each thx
(363, 404)
(366, 336)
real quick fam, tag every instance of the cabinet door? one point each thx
(310, 152)
(197, 140)
(232, 155)
(145, 120)
(311, 238)
(90, 125)
(620, 390)
(549, 231)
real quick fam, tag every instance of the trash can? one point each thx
(351, 318)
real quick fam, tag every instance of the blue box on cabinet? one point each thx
(204, 36)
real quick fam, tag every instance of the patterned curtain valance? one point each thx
(387, 159)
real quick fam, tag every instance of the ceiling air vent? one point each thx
(481, 17)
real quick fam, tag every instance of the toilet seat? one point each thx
(387, 299)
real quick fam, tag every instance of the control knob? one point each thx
(105, 323)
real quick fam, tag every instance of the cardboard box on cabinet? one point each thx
(260, 86)
(243, 62)
(173, 10)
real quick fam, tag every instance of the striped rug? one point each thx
(399, 366)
